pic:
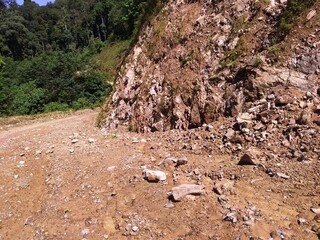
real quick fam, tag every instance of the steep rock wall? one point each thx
(200, 60)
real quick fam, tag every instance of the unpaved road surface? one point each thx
(66, 179)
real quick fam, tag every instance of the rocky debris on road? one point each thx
(186, 189)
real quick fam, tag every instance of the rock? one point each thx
(311, 14)
(250, 157)
(85, 232)
(154, 176)
(135, 228)
(283, 100)
(224, 187)
(169, 205)
(317, 218)
(186, 189)
(75, 140)
(181, 161)
(302, 104)
(91, 140)
(244, 119)
(223, 199)
(28, 221)
(302, 221)
(229, 134)
(249, 222)
(282, 175)
(21, 164)
(315, 210)
(231, 217)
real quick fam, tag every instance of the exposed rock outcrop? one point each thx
(199, 60)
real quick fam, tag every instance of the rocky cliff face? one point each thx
(198, 61)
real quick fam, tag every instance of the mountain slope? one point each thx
(199, 60)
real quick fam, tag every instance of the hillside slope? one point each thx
(199, 60)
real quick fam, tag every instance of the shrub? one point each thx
(81, 103)
(55, 106)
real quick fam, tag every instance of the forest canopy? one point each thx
(47, 52)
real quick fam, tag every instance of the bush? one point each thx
(28, 99)
(81, 103)
(55, 106)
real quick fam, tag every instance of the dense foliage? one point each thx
(46, 51)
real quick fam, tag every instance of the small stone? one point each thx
(38, 152)
(231, 217)
(315, 210)
(224, 187)
(135, 140)
(249, 222)
(91, 140)
(74, 141)
(283, 100)
(28, 221)
(285, 143)
(181, 161)
(85, 232)
(311, 14)
(271, 97)
(21, 164)
(186, 189)
(302, 221)
(71, 150)
(169, 205)
(250, 157)
(22, 154)
(223, 199)
(244, 118)
(135, 228)
(282, 175)
(154, 176)
(229, 134)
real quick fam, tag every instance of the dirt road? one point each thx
(66, 179)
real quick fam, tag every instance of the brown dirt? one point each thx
(100, 189)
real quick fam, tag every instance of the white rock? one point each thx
(315, 210)
(311, 14)
(154, 176)
(91, 140)
(135, 228)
